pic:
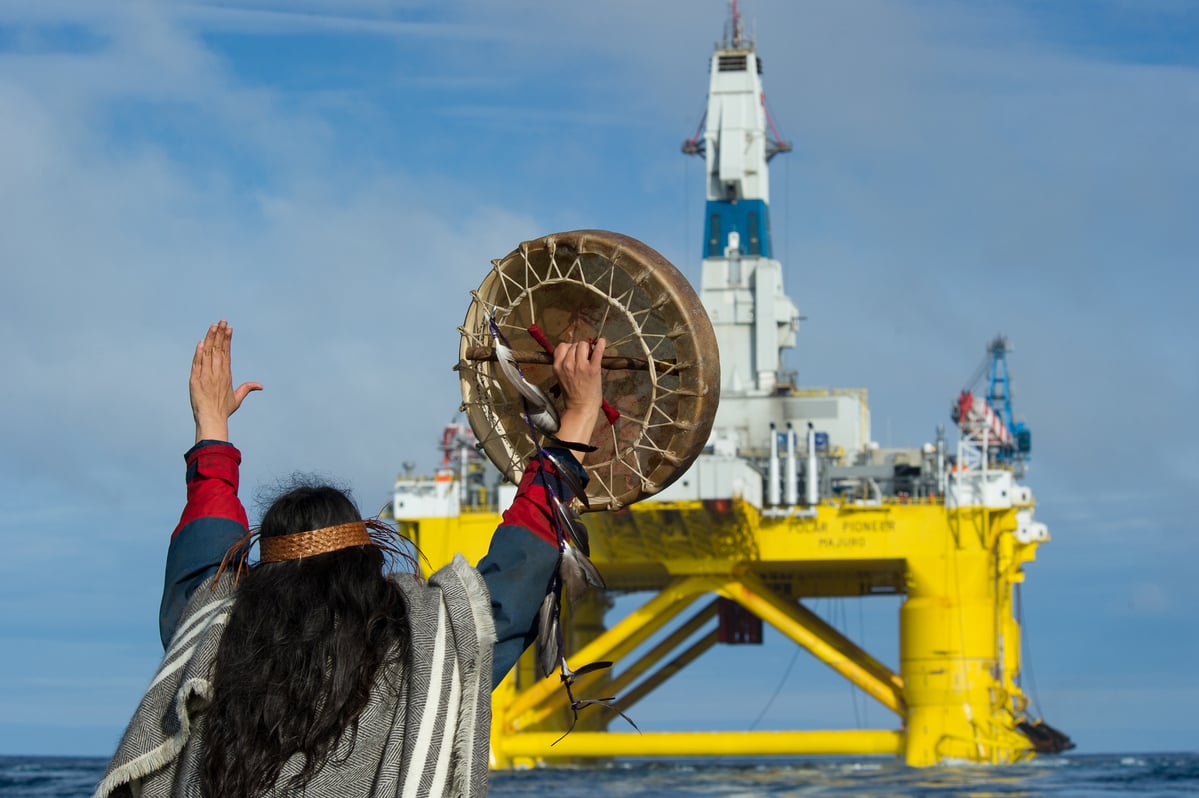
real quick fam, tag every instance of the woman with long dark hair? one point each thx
(321, 670)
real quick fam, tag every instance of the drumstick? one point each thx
(610, 412)
(615, 362)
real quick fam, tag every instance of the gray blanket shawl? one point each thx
(424, 732)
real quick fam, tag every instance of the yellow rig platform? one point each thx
(720, 564)
(791, 501)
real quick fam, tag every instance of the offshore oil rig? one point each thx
(790, 501)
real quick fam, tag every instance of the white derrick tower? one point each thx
(742, 290)
(741, 285)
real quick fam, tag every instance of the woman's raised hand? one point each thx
(213, 397)
(577, 367)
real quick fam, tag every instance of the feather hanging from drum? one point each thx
(539, 410)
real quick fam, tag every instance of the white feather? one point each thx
(540, 409)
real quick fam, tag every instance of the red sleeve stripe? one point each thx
(530, 508)
(212, 481)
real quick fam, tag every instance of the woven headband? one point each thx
(370, 532)
(310, 544)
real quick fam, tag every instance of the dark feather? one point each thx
(549, 634)
(603, 702)
(574, 719)
(578, 573)
(590, 667)
(572, 525)
(567, 474)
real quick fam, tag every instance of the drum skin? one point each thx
(662, 369)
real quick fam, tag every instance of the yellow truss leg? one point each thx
(663, 649)
(849, 649)
(532, 705)
(670, 669)
(756, 596)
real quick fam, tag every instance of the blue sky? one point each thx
(334, 178)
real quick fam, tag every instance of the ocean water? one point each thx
(1067, 776)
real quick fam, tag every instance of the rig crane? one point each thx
(987, 421)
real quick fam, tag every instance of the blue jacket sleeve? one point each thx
(212, 521)
(517, 569)
(522, 559)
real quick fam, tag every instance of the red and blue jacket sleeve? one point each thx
(522, 559)
(212, 521)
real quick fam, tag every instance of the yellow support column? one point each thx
(950, 660)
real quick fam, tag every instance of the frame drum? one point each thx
(662, 369)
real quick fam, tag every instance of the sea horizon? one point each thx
(1061, 776)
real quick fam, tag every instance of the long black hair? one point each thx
(301, 650)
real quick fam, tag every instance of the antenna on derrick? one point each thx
(732, 31)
